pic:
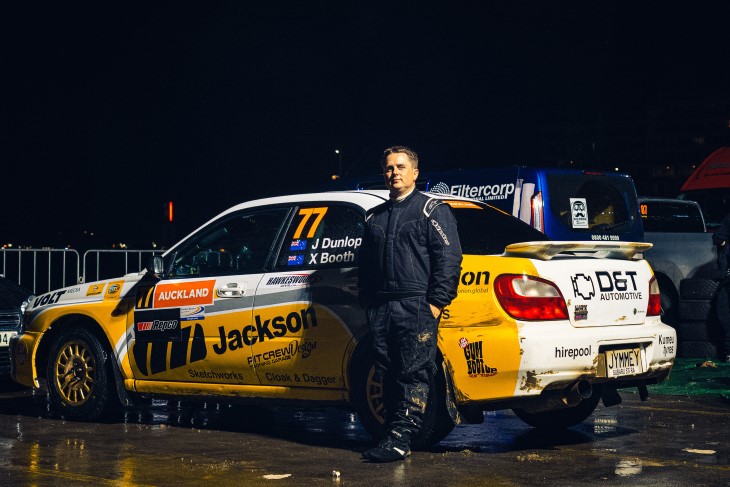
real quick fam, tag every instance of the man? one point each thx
(409, 264)
(722, 298)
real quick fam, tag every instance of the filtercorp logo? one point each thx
(483, 193)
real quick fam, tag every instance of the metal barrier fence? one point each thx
(42, 270)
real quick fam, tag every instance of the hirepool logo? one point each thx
(486, 192)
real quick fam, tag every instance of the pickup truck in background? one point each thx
(683, 260)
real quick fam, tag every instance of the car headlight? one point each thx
(25, 316)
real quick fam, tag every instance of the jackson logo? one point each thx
(263, 330)
(475, 361)
(184, 294)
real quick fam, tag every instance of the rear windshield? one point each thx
(670, 216)
(485, 230)
(715, 204)
(592, 202)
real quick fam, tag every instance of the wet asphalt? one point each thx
(666, 441)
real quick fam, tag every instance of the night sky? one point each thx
(109, 112)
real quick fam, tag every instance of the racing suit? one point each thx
(410, 257)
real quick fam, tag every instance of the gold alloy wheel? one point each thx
(374, 397)
(75, 372)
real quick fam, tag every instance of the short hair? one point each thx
(400, 149)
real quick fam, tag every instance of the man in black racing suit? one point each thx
(409, 264)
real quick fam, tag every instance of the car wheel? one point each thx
(80, 384)
(560, 419)
(368, 398)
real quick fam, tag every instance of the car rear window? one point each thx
(606, 202)
(484, 230)
(671, 216)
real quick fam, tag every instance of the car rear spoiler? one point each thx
(599, 250)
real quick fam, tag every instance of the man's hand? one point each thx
(435, 311)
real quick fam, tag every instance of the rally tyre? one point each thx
(561, 419)
(367, 397)
(695, 310)
(80, 379)
(693, 331)
(698, 288)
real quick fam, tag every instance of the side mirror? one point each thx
(156, 265)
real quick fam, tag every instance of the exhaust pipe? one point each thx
(577, 392)
(568, 397)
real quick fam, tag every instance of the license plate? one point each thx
(5, 337)
(623, 362)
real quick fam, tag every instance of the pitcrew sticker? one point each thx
(303, 349)
(475, 360)
(184, 294)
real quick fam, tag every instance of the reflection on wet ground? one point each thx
(670, 440)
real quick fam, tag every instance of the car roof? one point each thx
(367, 199)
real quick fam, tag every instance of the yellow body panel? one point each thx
(478, 340)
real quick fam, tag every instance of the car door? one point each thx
(191, 325)
(306, 310)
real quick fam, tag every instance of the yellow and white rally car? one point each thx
(260, 304)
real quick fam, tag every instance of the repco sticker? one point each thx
(184, 294)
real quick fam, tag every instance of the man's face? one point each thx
(400, 175)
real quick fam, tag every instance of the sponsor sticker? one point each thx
(581, 312)
(114, 290)
(463, 342)
(190, 313)
(95, 289)
(474, 355)
(173, 295)
(462, 204)
(291, 280)
(579, 212)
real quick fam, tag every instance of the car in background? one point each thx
(260, 304)
(671, 215)
(13, 301)
(683, 258)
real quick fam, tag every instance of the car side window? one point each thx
(239, 244)
(322, 236)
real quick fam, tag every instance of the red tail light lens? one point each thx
(654, 307)
(530, 298)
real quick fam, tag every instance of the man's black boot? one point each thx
(395, 446)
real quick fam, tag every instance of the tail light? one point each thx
(530, 298)
(654, 308)
(538, 220)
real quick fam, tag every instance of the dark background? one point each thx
(111, 111)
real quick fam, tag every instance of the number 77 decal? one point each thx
(306, 213)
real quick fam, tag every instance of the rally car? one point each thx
(260, 304)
